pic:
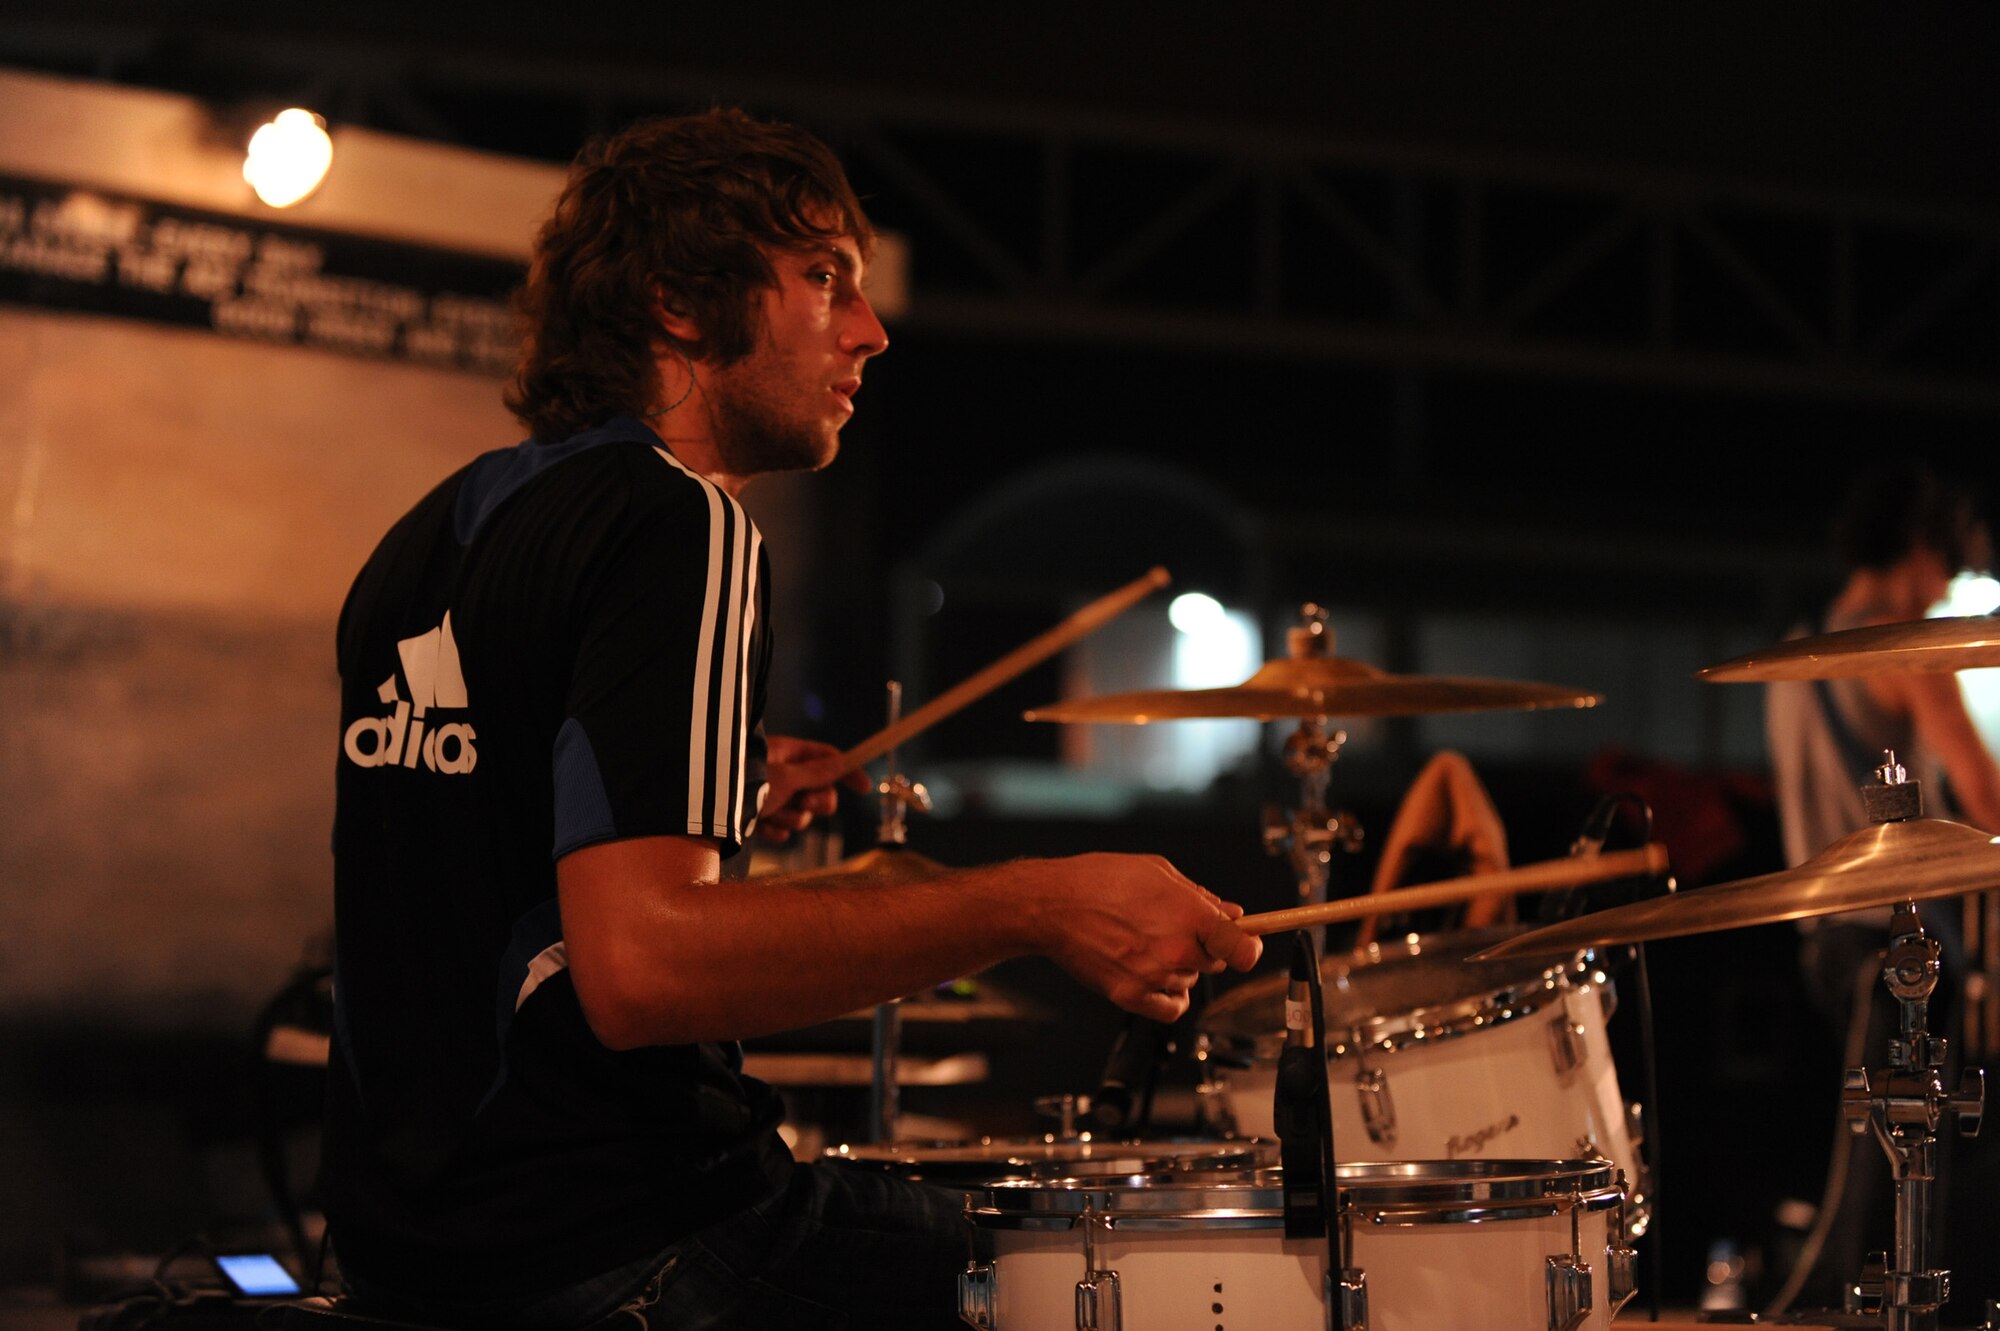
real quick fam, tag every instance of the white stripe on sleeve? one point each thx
(727, 688)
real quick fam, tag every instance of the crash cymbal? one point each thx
(1317, 686)
(1878, 649)
(1881, 865)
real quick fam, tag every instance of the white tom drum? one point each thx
(1474, 1245)
(1433, 1056)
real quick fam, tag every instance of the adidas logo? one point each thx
(430, 666)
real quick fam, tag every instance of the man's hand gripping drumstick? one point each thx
(806, 775)
(1141, 933)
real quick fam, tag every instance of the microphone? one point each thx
(1298, 1107)
(1128, 1075)
(1590, 839)
(1597, 827)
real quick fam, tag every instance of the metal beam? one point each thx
(1529, 245)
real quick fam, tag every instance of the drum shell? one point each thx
(1193, 1254)
(1522, 1068)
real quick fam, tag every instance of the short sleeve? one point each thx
(663, 734)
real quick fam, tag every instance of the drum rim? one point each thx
(1042, 1157)
(1381, 1194)
(1414, 1027)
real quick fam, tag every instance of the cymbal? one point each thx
(882, 864)
(1314, 686)
(1880, 865)
(1878, 649)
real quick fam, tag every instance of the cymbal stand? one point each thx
(898, 794)
(1309, 834)
(1904, 1109)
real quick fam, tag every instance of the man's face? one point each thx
(781, 406)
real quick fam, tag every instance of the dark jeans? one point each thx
(841, 1247)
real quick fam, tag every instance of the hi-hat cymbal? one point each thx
(1881, 865)
(1878, 649)
(1318, 686)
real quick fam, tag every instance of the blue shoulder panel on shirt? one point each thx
(496, 475)
(583, 809)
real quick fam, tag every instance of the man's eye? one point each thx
(821, 276)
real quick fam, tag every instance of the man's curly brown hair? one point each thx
(681, 210)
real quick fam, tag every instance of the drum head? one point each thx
(1390, 991)
(987, 1160)
(1411, 1192)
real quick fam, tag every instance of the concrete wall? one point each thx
(182, 515)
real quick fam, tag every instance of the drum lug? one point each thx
(1378, 1110)
(1621, 1273)
(1347, 1300)
(1566, 1045)
(1097, 1304)
(1569, 1290)
(977, 1296)
(1864, 1294)
(1213, 1108)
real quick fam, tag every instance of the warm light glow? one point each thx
(1195, 612)
(288, 157)
(1976, 594)
(1970, 594)
(1215, 647)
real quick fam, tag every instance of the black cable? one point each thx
(293, 1004)
(1597, 828)
(1590, 839)
(318, 1273)
(1328, 1162)
(160, 1293)
(1297, 1098)
(1303, 1110)
(1854, 1046)
(195, 1243)
(1650, 1153)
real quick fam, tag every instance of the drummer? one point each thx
(1901, 536)
(551, 754)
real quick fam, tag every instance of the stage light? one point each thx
(1970, 594)
(288, 158)
(1194, 612)
(1976, 594)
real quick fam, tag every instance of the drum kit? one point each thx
(1483, 1169)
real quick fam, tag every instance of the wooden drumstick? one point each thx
(1023, 658)
(1649, 860)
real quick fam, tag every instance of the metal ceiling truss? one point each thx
(1140, 231)
(1318, 251)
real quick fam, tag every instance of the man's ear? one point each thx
(676, 320)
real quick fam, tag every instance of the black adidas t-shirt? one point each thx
(561, 644)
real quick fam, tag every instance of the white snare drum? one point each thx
(955, 1164)
(1474, 1245)
(1433, 1056)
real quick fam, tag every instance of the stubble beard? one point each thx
(758, 430)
